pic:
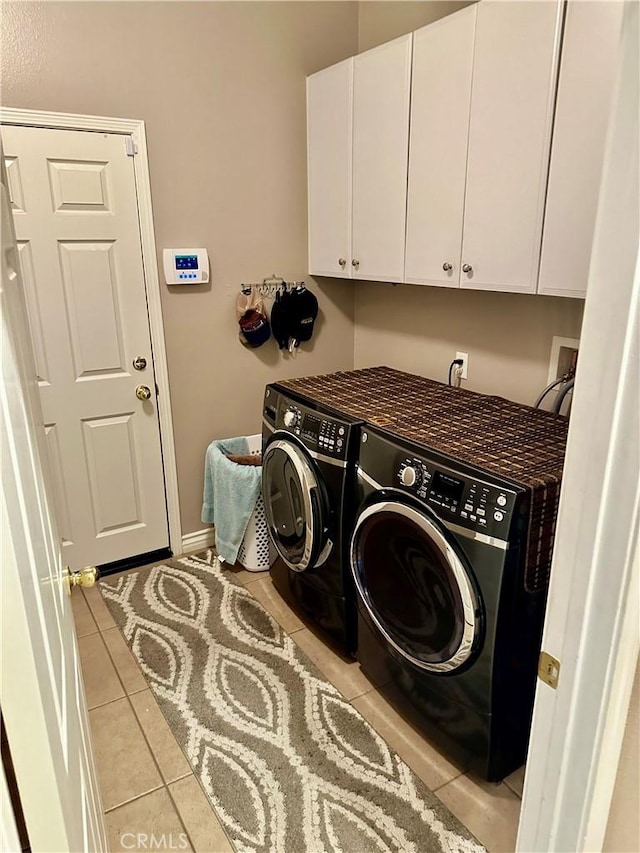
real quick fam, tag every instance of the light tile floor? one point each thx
(147, 784)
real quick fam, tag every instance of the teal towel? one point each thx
(230, 494)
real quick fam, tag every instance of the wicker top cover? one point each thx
(507, 439)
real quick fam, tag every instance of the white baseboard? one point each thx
(198, 541)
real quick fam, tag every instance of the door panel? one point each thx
(76, 218)
(79, 185)
(89, 272)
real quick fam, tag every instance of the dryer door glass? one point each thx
(415, 586)
(292, 504)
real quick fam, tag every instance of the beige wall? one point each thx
(384, 20)
(235, 182)
(507, 336)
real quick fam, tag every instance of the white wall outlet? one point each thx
(465, 363)
(562, 356)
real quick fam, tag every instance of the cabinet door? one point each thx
(440, 99)
(329, 142)
(381, 84)
(514, 76)
(585, 93)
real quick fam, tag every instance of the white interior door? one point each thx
(75, 212)
(42, 694)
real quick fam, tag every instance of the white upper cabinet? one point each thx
(357, 138)
(381, 89)
(585, 94)
(329, 149)
(514, 75)
(440, 103)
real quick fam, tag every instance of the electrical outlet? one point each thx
(465, 363)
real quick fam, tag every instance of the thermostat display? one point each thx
(186, 262)
(186, 266)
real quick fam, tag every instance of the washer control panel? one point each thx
(467, 501)
(319, 432)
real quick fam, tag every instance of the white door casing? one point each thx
(592, 621)
(42, 695)
(76, 217)
(439, 132)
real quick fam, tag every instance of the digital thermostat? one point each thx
(186, 266)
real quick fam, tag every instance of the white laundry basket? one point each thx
(257, 552)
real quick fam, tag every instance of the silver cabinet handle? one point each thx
(342, 261)
(355, 263)
(467, 268)
(447, 267)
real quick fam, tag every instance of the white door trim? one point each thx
(592, 617)
(134, 128)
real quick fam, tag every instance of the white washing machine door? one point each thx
(415, 586)
(293, 505)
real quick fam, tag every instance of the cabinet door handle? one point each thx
(355, 263)
(467, 268)
(342, 261)
(447, 267)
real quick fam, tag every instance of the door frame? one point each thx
(135, 130)
(592, 621)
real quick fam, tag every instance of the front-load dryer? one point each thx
(308, 487)
(438, 556)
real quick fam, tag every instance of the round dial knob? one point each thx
(408, 476)
(289, 418)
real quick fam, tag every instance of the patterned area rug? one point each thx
(288, 764)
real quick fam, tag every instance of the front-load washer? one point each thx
(308, 487)
(438, 556)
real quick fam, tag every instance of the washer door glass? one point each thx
(292, 504)
(415, 586)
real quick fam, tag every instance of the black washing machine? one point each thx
(308, 487)
(438, 557)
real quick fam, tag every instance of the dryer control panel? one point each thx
(471, 502)
(319, 432)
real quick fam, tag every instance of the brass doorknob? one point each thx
(85, 577)
(143, 392)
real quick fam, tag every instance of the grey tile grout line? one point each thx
(448, 782)
(163, 781)
(165, 784)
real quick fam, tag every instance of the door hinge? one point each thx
(130, 147)
(548, 669)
